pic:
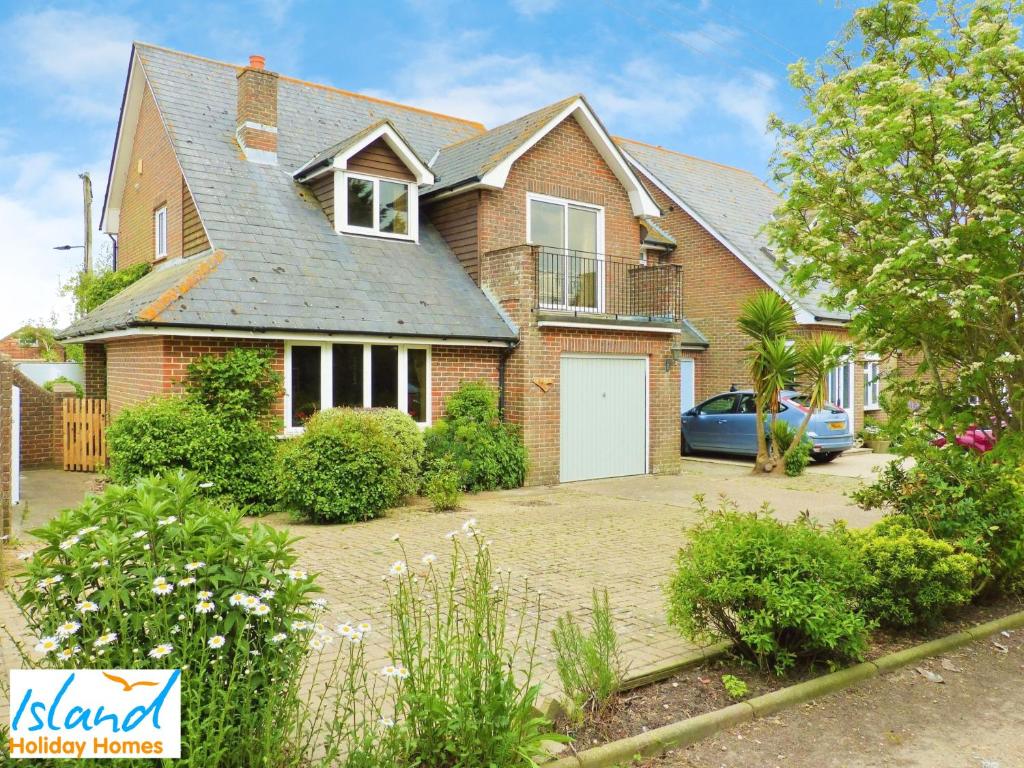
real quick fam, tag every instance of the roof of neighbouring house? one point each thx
(734, 205)
(279, 265)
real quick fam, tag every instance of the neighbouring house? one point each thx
(22, 348)
(716, 214)
(386, 253)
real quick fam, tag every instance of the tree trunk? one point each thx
(763, 462)
(800, 432)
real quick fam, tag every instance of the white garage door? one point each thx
(603, 417)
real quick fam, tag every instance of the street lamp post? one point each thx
(71, 247)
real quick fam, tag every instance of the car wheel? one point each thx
(824, 458)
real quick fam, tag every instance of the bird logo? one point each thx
(125, 684)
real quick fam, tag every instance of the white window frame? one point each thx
(327, 378)
(160, 233)
(872, 383)
(341, 206)
(847, 373)
(566, 203)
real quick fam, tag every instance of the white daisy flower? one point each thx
(69, 542)
(451, 535)
(204, 606)
(250, 601)
(47, 644)
(301, 625)
(319, 602)
(469, 525)
(204, 595)
(106, 639)
(278, 638)
(345, 630)
(429, 558)
(90, 529)
(164, 649)
(316, 643)
(267, 594)
(206, 484)
(139, 534)
(217, 641)
(87, 606)
(159, 580)
(167, 521)
(260, 610)
(397, 568)
(68, 628)
(396, 537)
(48, 582)
(389, 670)
(69, 653)
(188, 581)
(195, 565)
(296, 574)
(163, 589)
(364, 628)
(401, 673)
(237, 598)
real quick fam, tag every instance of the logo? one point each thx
(112, 713)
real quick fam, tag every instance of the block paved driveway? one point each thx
(620, 534)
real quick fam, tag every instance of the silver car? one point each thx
(727, 423)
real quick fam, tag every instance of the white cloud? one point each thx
(751, 100)
(709, 37)
(531, 8)
(77, 58)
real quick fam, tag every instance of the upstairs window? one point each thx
(160, 232)
(376, 206)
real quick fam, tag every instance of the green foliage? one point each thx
(157, 576)
(349, 465)
(780, 592)
(973, 501)
(236, 458)
(240, 384)
(79, 392)
(589, 663)
(902, 191)
(42, 338)
(913, 579)
(797, 455)
(736, 688)
(464, 643)
(90, 290)
(443, 486)
(487, 453)
(404, 429)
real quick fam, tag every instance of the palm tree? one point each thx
(771, 361)
(815, 358)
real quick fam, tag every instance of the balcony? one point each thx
(594, 287)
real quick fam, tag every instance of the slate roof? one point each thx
(471, 158)
(282, 267)
(733, 202)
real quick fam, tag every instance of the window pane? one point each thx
(721, 404)
(360, 203)
(547, 225)
(394, 207)
(384, 376)
(417, 384)
(583, 229)
(348, 375)
(305, 383)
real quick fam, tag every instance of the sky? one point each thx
(697, 76)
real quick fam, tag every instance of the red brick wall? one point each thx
(159, 183)
(95, 370)
(41, 426)
(450, 366)
(10, 346)
(138, 368)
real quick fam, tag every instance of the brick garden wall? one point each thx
(95, 356)
(41, 424)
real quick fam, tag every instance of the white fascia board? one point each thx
(803, 317)
(292, 336)
(640, 201)
(422, 173)
(123, 142)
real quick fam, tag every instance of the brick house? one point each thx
(18, 350)
(715, 214)
(386, 253)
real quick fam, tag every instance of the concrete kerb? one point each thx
(694, 729)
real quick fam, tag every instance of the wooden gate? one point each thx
(85, 434)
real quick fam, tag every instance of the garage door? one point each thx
(603, 417)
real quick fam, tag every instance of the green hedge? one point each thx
(350, 465)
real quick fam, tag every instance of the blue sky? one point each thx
(698, 76)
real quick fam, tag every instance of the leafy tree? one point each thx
(905, 190)
(815, 358)
(43, 338)
(89, 290)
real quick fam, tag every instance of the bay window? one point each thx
(326, 375)
(375, 206)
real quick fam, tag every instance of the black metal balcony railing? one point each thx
(585, 283)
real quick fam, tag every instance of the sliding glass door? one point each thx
(570, 267)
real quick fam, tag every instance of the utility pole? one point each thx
(87, 202)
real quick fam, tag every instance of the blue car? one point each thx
(727, 423)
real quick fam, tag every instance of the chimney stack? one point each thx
(256, 126)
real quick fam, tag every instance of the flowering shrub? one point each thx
(778, 591)
(157, 576)
(487, 452)
(464, 643)
(350, 465)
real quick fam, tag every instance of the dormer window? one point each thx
(378, 206)
(368, 184)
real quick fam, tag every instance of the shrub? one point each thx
(443, 486)
(240, 384)
(589, 664)
(488, 454)
(796, 462)
(736, 688)
(913, 579)
(464, 643)
(780, 592)
(410, 440)
(236, 458)
(967, 499)
(79, 392)
(348, 465)
(157, 576)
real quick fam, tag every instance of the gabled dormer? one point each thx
(368, 184)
